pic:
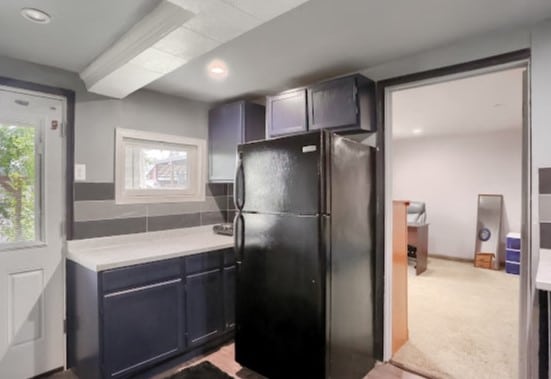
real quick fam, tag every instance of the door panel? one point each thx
(281, 175)
(280, 300)
(225, 133)
(141, 326)
(204, 306)
(229, 297)
(286, 113)
(32, 193)
(333, 104)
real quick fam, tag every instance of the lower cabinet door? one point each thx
(229, 297)
(204, 306)
(141, 326)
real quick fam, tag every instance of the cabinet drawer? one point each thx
(139, 275)
(512, 255)
(203, 262)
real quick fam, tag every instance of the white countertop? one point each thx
(99, 254)
(543, 276)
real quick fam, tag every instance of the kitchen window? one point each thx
(158, 168)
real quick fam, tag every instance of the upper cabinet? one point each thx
(230, 125)
(345, 104)
(286, 113)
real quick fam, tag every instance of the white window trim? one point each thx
(194, 193)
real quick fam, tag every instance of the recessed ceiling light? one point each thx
(36, 15)
(217, 69)
(417, 131)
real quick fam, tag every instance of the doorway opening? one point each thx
(450, 141)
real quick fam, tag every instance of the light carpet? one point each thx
(463, 322)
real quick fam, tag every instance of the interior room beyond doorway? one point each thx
(452, 141)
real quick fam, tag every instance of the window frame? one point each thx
(197, 174)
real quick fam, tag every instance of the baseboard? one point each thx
(455, 259)
(463, 260)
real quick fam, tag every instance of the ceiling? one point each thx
(479, 104)
(318, 39)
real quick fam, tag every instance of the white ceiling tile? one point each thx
(265, 9)
(158, 61)
(222, 22)
(125, 80)
(186, 43)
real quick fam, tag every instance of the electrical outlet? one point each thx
(80, 172)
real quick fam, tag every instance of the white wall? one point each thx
(448, 173)
(96, 117)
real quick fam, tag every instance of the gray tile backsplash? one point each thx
(97, 215)
(173, 221)
(545, 180)
(94, 191)
(102, 228)
(545, 207)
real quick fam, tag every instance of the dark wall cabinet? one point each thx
(122, 321)
(345, 104)
(230, 125)
(286, 113)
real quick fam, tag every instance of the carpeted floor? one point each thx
(463, 322)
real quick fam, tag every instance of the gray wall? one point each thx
(96, 118)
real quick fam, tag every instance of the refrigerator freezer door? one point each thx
(280, 300)
(351, 288)
(280, 176)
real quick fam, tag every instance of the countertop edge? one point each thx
(116, 252)
(83, 260)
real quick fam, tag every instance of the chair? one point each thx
(417, 213)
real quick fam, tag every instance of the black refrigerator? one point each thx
(304, 241)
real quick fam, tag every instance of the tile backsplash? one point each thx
(97, 215)
(545, 207)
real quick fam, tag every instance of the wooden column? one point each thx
(400, 333)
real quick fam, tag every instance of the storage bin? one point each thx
(512, 267)
(513, 241)
(512, 255)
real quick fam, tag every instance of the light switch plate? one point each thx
(80, 172)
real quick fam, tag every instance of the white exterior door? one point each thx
(32, 209)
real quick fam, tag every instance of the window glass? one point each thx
(18, 176)
(152, 167)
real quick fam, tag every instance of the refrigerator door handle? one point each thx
(239, 231)
(239, 188)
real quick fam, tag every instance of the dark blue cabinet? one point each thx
(142, 326)
(229, 297)
(342, 104)
(230, 125)
(345, 105)
(122, 321)
(286, 113)
(204, 306)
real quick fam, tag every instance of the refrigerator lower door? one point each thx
(280, 301)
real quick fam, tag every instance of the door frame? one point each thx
(68, 97)
(383, 310)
